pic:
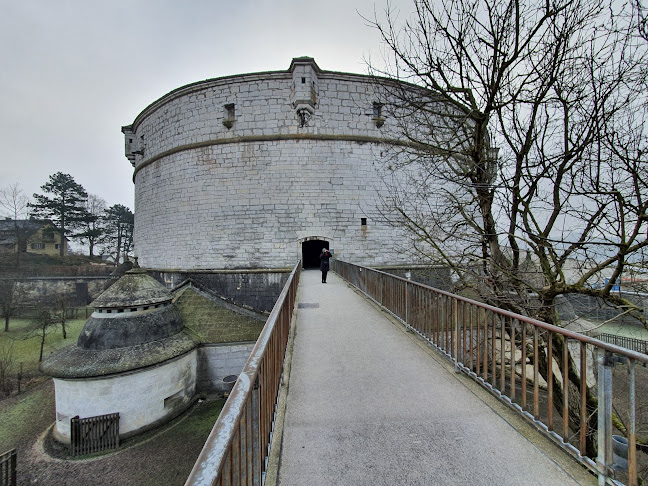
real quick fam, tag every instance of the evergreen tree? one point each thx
(119, 221)
(66, 207)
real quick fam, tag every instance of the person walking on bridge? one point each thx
(324, 263)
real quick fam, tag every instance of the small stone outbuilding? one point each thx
(134, 356)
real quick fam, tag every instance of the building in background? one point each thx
(36, 236)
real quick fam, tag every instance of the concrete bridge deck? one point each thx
(371, 404)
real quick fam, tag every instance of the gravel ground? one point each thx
(161, 457)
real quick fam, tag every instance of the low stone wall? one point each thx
(215, 362)
(256, 289)
(437, 277)
(78, 291)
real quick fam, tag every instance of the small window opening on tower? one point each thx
(363, 221)
(229, 115)
(303, 80)
(378, 118)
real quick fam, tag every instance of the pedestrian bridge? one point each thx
(422, 389)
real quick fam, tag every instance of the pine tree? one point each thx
(65, 208)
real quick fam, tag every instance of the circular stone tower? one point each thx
(133, 357)
(259, 170)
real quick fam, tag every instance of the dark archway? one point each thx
(311, 250)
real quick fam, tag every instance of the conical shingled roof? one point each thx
(135, 289)
(135, 325)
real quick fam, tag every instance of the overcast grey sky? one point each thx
(72, 72)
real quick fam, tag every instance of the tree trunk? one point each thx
(6, 322)
(591, 401)
(42, 346)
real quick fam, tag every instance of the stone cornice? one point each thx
(269, 138)
(261, 76)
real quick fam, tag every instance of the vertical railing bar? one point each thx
(632, 437)
(550, 406)
(437, 320)
(485, 357)
(536, 384)
(249, 411)
(604, 415)
(236, 457)
(428, 314)
(407, 304)
(565, 390)
(256, 435)
(477, 342)
(523, 365)
(455, 333)
(583, 399)
(513, 350)
(464, 335)
(449, 325)
(503, 321)
(493, 351)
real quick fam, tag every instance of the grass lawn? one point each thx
(635, 332)
(23, 341)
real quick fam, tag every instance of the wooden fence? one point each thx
(638, 345)
(8, 468)
(94, 434)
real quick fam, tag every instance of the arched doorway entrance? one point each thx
(311, 250)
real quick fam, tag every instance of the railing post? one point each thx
(407, 322)
(632, 437)
(455, 337)
(256, 435)
(604, 459)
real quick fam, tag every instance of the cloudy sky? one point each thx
(73, 72)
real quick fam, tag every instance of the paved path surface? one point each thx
(367, 405)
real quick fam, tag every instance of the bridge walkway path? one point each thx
(371, 404)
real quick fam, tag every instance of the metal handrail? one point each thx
(493, 346)
(237, 447)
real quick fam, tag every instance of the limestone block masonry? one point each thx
(218, 361)
(237, 172)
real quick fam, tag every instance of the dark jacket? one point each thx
(324, 261)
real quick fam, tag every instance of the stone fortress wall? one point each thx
(237, 172)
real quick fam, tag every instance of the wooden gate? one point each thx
(94, 434)
(8, 468)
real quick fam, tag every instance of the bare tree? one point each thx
(11, 300)
(94, 231)
(42, 325)
(61, 310)
(7, 359)
(560, 88)
(642, 18)
(119, 221)
(14, 202)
